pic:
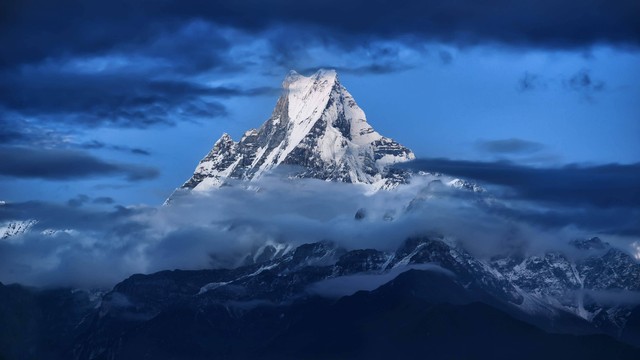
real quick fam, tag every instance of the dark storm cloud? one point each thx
(95, 144)
(34, 30)
(56, 164)
(112, 99)
(621, 221)
(9, 135)
(611, 185)
(106, 99)
(510, 146)
(34, 134)
(17, 131)
(129, 64)
(125, 77)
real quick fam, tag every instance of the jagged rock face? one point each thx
(287, 281)
(572, 284)
(278, 289)
(317, 127)
(601, 267)
(15, 228)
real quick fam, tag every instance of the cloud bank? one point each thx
(81, 28)
(124, 64)
(92, 246)
(58, 164)
(604, 186)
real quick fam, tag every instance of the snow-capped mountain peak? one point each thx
(316, 126)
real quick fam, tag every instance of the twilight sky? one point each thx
(115, 102)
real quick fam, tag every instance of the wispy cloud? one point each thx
(581, 82)
(95, 144)
(530, 82)
(510, 146)
(58, 164)
(609, 185)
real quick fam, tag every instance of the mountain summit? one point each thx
(317, 127)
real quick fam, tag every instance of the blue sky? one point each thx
(140, 94)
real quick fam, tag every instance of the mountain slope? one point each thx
(314, 301)
(440, 321)
(424, 298)
(317, 127)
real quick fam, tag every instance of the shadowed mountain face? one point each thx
(42, 324)
(317, 127)
(315, 301)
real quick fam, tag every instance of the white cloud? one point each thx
(222, 227)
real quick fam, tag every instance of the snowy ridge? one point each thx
(536, 289)
(15, 228)
(573, 285)
(316, 126)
